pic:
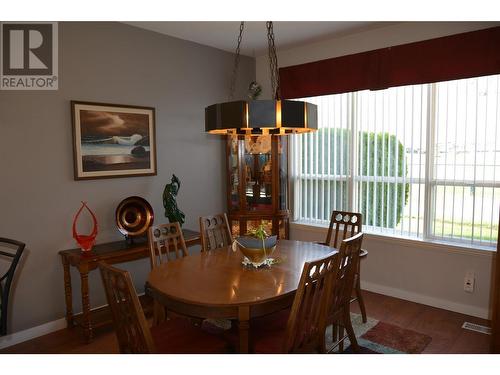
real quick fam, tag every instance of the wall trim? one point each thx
(476, 311)
(41, 330)
(31, 333)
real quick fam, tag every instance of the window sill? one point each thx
(432, 245)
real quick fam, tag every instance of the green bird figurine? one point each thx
(172, 212)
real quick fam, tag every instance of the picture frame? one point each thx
(113, 140)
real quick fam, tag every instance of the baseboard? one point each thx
(31, 333)
(34, 332)
(426, 300)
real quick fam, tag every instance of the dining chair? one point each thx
(174, 336)
(166, 241)
(344, 224)
(215, 232)
(9, 255)
(301, 329)
(339, 313)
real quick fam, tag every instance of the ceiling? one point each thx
(288, 34)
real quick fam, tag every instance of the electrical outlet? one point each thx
(469, 282)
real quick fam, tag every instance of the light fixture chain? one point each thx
(273, 61)
(232, 86)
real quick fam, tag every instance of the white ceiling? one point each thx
(224, 35)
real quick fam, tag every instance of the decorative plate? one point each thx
(134, 215)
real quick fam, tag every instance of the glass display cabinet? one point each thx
(257, 170)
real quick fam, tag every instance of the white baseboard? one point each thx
(426, 300)
(31, 333)
(34, 332)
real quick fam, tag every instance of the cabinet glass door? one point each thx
(234, 172)
(283, 172)
(258, 173)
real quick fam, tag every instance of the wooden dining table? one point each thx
(215, 284)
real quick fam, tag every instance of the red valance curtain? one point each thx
(465, 55)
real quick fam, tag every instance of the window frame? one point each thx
(352, 178)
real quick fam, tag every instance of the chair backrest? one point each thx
(165, 242)
(215, 232)
(343, 282)
(307, 321)
(349, 222)
(132, 330)
(13, 257)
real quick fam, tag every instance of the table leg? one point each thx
(159, 313)
(87, 327)
(243, 327)
(359, 294)
(68, 294)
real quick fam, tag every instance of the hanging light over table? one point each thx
(261, 116)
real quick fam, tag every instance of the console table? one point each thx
(111, 252)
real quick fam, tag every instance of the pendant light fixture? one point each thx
(256, 117)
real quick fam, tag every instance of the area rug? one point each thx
(376, 337)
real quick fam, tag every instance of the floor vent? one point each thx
(477, 328)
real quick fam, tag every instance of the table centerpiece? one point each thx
(257, 247)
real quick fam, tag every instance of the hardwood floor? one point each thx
(445, 328)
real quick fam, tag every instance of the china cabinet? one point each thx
(257, 181)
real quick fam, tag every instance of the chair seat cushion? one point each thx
(268, 332)
(179, 336)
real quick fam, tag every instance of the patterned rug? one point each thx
(376, 337)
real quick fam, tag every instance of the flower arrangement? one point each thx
(257, 247)
(260, 233)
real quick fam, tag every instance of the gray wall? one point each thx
(113, 63)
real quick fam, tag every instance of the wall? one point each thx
(425, 273)
(113, 63)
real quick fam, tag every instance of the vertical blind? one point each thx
(417, 161)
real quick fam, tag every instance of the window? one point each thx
(419, 161)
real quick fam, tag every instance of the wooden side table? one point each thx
(111, 252)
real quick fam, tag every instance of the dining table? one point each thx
(215, 284)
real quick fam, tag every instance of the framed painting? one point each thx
(113, 140)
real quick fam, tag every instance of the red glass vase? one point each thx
(85, 241)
